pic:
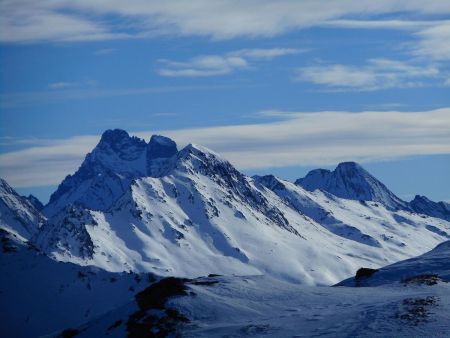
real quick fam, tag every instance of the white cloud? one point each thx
(207, 65)
(375, 75)
(105, 51)
(433, 35)
(266, 53)
(321, 138)
(64, 20)
(213, 65)
(434, 42)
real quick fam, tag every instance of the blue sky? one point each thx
(274, 86)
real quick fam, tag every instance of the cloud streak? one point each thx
(87, 20)
(296, 138)
(214, 65)
(375, 75)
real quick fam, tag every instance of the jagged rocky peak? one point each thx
(119, 142)
(423, 205)
(351, 181)
(161, 147)
(107, 172)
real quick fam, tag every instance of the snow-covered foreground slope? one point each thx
(39, 295)
(196, 214)
(261, 306)
(18, 214)
(427, 268)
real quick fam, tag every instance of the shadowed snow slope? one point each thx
(190, 213)
(39, 295)
(259, 306)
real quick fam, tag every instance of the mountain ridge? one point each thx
(190, 212)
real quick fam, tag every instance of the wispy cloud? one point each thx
(208, 65)
(375, 75)
(434, 42)
(64, 85)
(87, 20)
(414, 25)
(296, 138)
(61, 85)
(21, 99)
(432, 35)
(214, 65)
(105, 51)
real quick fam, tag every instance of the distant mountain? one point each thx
(18, 214)
(351, 181)
(149, 207)
(423, 205)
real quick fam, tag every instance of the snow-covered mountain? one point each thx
(148, 207)
(18, 214)
(108, 170)
(135, 207)
(351, 181)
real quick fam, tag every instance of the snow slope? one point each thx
(39, 295)
(18, 215)
(433, 263)
(259, 306)
(198, 215)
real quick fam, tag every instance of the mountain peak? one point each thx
(343, 166)
(351, 181)
(114, 135)
(161, 147)
(118, 141)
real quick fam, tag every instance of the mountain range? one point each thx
(136, 209)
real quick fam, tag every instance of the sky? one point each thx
(278, 87)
